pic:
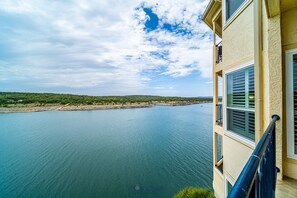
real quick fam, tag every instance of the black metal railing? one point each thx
(219, 52)
(258, 177)
(219, 119)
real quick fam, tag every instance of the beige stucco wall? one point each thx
(218, 183)
(235, 155)
(272, 79)
(238, 48)
(289, 41)
(238, 39)
(265, 66)
(279, 33)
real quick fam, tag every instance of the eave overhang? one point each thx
(273, 7)
(211, 12)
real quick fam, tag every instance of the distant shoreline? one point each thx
(92, 107)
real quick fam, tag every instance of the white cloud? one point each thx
(91, 43)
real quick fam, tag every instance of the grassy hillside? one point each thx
(11, 99)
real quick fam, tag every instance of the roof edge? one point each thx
(211, 9)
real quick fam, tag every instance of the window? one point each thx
(241, 102)
(291, 58)
(228, 186)
(219, 152)
(231, 6)
(219, 106)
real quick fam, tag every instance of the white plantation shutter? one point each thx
(238, 89)
(236, 120)
(241, 102)
(251, 88)
(251, 124)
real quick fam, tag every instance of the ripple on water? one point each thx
(150, 152)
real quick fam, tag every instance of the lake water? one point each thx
(149, 152)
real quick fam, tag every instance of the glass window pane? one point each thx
(295, 101)
(229, 187)
(232, 6)
(219, 162)
(219, 144)
(241, 122)
(240, 99)
(251, 125)
(251, 89)
(241, 88)
(236, 89)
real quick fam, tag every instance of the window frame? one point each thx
(225, 20)
(227, 179)
(232, 134)
(290, 103)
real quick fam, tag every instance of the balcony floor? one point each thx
(286, 188)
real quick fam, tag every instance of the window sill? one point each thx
(293, 157)
(249, 143)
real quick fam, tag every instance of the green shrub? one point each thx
(192, 192)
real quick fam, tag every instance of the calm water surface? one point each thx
(150, 152)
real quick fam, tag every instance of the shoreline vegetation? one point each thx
(11, 102)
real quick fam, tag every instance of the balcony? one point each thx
(286, 188)
(219, 119)
(219, 165)
(219, 53)
(258, 177)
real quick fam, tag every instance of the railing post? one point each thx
(274, 151)
(219, 50)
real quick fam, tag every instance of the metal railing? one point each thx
(219, 165)
(219, 52)
(219, 119)
(258, 177)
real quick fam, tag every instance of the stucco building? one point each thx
(255, 67)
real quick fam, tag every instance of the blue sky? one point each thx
(106, 47)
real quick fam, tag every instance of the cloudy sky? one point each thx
(105, 47)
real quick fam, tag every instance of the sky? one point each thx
(105, 47)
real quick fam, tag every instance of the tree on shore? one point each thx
(19, 98)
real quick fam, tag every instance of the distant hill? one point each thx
(12, 99)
